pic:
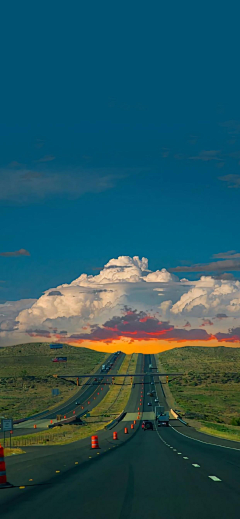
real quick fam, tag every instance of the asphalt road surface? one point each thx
(145, 474)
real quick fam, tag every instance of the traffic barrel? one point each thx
(3, 475)
(65, 417)
(51, 421)
(134, 422)
(35, 427)
(132, 426)
(94, 442)
(126, 430)
(138, 417)
(115, 436)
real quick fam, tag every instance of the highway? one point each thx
(89, 395)
(144, 474)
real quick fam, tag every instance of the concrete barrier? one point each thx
(174, 415)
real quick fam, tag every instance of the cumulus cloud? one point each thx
(85, 299)
(208, 296)
(99, 307)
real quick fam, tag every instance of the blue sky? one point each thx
(119, 135)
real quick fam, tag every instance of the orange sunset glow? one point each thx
(151, 346)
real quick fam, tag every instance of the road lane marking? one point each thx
(195, 465)
(21, 487)
(214, 478)
(179, 453)
(175, 450)
(206, 443)
(57, 471)
(185, 457)
(76, 462)
(30, 480)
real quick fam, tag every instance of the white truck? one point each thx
(103, 367)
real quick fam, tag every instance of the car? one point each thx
(77, 402)
(149, 403)
(156, 400)
(152, 383)
(147, 426)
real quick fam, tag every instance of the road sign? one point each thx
(7, 424)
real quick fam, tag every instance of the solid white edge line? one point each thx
(206, 443)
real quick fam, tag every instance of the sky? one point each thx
(120, 138)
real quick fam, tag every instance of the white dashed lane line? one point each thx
(185, 457)
(195, 465)
(214, 478)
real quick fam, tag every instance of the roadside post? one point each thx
(11, 432)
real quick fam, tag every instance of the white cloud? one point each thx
(88, 297)
(122, 281)
(209, 296)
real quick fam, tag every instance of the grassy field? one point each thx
(209, 390)
(26, 376)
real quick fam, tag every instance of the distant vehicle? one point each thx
(150, 366)
(156, 400)
(103, 367)
(77, 403)
(147, 426)
(59, 359)
(152, 383)
(163, 419)
(149, 403)
(150, 394)
(56, 346)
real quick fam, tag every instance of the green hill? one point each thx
(209, 390)
(26, 376)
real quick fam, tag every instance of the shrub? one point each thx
(235, 421)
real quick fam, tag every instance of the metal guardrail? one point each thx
(116, 420)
